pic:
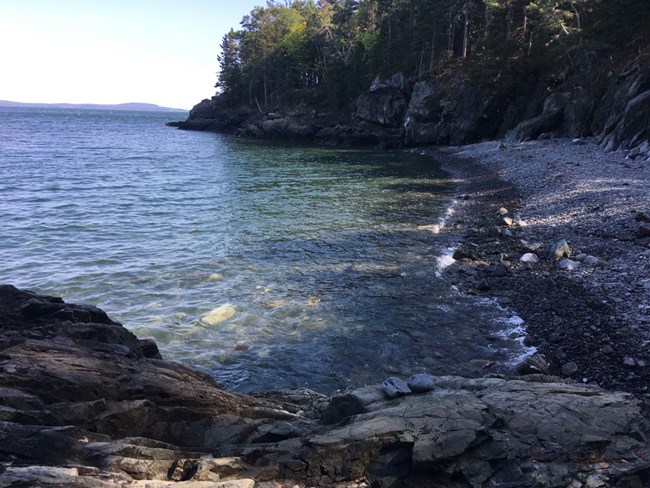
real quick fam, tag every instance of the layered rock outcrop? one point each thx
(458, 109)
(85, 403)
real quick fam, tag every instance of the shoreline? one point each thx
(590, 324)
(120, 415)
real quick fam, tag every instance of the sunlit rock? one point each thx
(219, 314)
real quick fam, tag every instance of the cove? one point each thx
(266, 265)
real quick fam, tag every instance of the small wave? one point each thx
(444, 261)
(515, 329)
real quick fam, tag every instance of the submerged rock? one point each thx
(219, 314)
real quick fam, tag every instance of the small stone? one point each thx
(433, 228)
(595, 481)
(640, 363)
(519, 221)
(530, 258)
(507, 221)
(535, 364)
(482, 285)
(607, 349)
(568, 265)
(503, 211)
(506, 233)
(569, 368)
(242, 346)
(394, 387)
(530, 246)
(629, 362)
(580, 257)
(561, 250)
(594, 261)
(420, 383)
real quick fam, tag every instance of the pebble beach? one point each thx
(559, 231)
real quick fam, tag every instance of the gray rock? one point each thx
(483, 285)
(503, 211)
(396, 82)
(568, 265)
(394, 387)
(594, 261)
(548, 121)
(385, 109)
(507, 221)
(535, 364)
(520, 221)
(420, 383)
(561, 249)
(607, 349)
(629, 362)
(530, 258)
(530, 246)
(569, 369)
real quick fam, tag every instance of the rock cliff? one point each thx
(459, 108)
(85, 403)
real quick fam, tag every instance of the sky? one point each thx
(114, 51)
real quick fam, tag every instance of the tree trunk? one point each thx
(465, 32)
(433, 47)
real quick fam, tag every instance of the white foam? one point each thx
(515, 329)
(444, 261)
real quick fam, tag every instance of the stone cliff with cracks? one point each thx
(87, 404)
(459, 108)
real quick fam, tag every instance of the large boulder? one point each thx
(621, 119)
(459, 114)
(549, 120)
(418, 124)
(386, 101)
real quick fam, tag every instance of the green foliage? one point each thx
(329, 50)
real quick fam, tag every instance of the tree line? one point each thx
(326, 52)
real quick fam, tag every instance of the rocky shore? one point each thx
(562, 236)
(557, 230)
(86, 404)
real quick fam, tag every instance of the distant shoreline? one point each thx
(148, 107)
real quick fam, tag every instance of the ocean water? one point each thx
(266, 265)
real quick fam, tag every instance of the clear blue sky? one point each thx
(114, 51)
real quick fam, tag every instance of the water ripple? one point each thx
(316, 252)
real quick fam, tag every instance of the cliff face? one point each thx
(458, 109)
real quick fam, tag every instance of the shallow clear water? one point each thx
(312, 256)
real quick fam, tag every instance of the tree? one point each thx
(229, 79)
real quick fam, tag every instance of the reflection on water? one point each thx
(268, 266)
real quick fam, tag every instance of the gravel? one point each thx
(599, 203)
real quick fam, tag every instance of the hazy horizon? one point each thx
(160, 52)
(12, 103)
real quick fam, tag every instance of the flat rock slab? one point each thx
(82, 403)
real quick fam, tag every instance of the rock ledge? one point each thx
(84, 403)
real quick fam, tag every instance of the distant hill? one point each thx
(149, 107)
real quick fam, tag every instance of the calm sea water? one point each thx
(311, 259)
